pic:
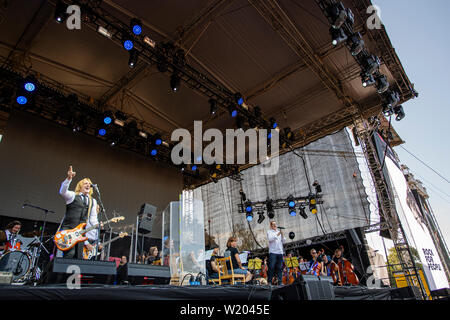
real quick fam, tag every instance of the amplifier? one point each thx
(307, 287)
(137, 273)
(61, 265)
(6, 277)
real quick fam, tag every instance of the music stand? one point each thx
(254, 265)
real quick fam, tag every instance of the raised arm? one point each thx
(64, 190)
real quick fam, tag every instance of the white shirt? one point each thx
(69, 196)
(275, 242)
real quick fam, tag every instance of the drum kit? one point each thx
(20, 258)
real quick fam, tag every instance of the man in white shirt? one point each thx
(276, 241)
(12, 230)
(80, 208)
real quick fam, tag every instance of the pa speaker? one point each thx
(147, 213)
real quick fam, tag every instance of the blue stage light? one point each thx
(291, 204)
(194, 167)
(249, 218)
(158, 142)
(102, 132)
(29, 86)
(293, 213)
(107, 120)
(21, 100)
(137, 29)
(154, 152)
(234, 113)
(274, 125)
(269, 136)
(128, 44)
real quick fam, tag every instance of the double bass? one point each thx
(345, 273)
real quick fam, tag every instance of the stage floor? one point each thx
(147, 292)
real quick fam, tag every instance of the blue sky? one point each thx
(419, 33)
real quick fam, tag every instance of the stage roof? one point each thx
(278, 54)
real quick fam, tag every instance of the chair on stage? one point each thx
(226, 274)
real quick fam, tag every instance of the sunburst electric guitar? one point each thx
(67, 239)
(88, 254)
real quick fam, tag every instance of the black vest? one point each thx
(76, 213)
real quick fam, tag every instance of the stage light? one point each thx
(367, 80)
(291, 235)
(136, 26)
(104, 31)
(193, 167)
(134, 55)
(154, 152)
(102, 132)
(238, 99)
(391, 98)
(387, 110)
(339, 14)
(149, 41)
(127, 42)
(157, 139)
(107, 117)
(312, 204)
(270, 211)
(371, 64)
(233, 111)
(273, 123)
(60, 12)
(30, 84)
(248, 206)
(302, 212)
(356, 44)
(399, 113)
(337, 36)
(290, 201)
(261, 216)
(213, 106)
(381, 83)
(249, 216)
(292, 212)
(317, 186)
(21, 100)
(175, 82)
(269, 135)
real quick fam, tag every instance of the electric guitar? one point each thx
(67, 239)
(88, 254)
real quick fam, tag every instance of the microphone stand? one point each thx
(102, 210)
(38, 254)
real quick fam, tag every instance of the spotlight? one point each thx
(238, 99)
(108, 117)
(291, 235)
(101, 132)
(60, 12)
(249, 210)
(399, 113)
(104, 32)
(337, 36)
(157, 141)
(302, 212)
(356, 44)
(339, 14)
(290, 201)
(30, 84)
(21, 100)
(270, 211)
(154, 152)
(312, 204)
(317, 186)
(273, 123)
(371, 64)
(136, 26)
(387, 110)
(233, 111)
(381, 83)
(392, 98)
(127, 42)
(261, 216)
(213, 106)
(132, 61)
(367, 80)
(175, 82)
(193, 167)
(292, 212)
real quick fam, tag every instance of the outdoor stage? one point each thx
(200, 293)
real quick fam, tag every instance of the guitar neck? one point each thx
(112, 240)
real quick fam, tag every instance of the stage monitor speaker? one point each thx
(97, 271)
(406, 293)
(147, 213)
(137, 273)
(318, 288)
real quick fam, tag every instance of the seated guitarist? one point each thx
(80, 208)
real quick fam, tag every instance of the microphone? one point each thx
(93, 185)
(281, 228)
